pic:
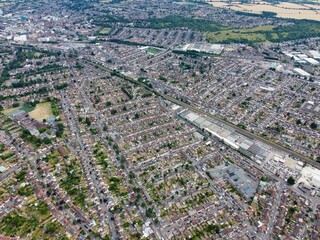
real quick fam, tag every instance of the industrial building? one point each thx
(254, 149)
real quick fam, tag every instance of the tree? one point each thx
(149, 213)
(42, 130)
(88, 122)
(291, 181)
(108, 104)
(47, 140)
(15, 104)
(313, 125)
(60, 130)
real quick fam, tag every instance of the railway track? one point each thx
(217, 118)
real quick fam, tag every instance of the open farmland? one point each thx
(283, 9)
(42, 111)
(2, 4)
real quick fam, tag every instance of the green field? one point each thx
(299, 29)
(239, 35)
(152, 51)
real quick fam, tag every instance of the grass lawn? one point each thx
(42, 111)
(10, 110)
(25, 107)
(152, 51)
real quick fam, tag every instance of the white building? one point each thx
(314, 54)
(312, 61)
(302, 72)
(20, 38)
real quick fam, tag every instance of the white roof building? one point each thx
(310, 176)
(269, 89)
(20, 38)
(312, 61)
(302, 72)
(315, 54)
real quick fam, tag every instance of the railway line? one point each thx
(218, 118)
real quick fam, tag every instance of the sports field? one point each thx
(105, 31)
(42, 111)
(152, 51)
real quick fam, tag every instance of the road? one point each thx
(88, 169)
